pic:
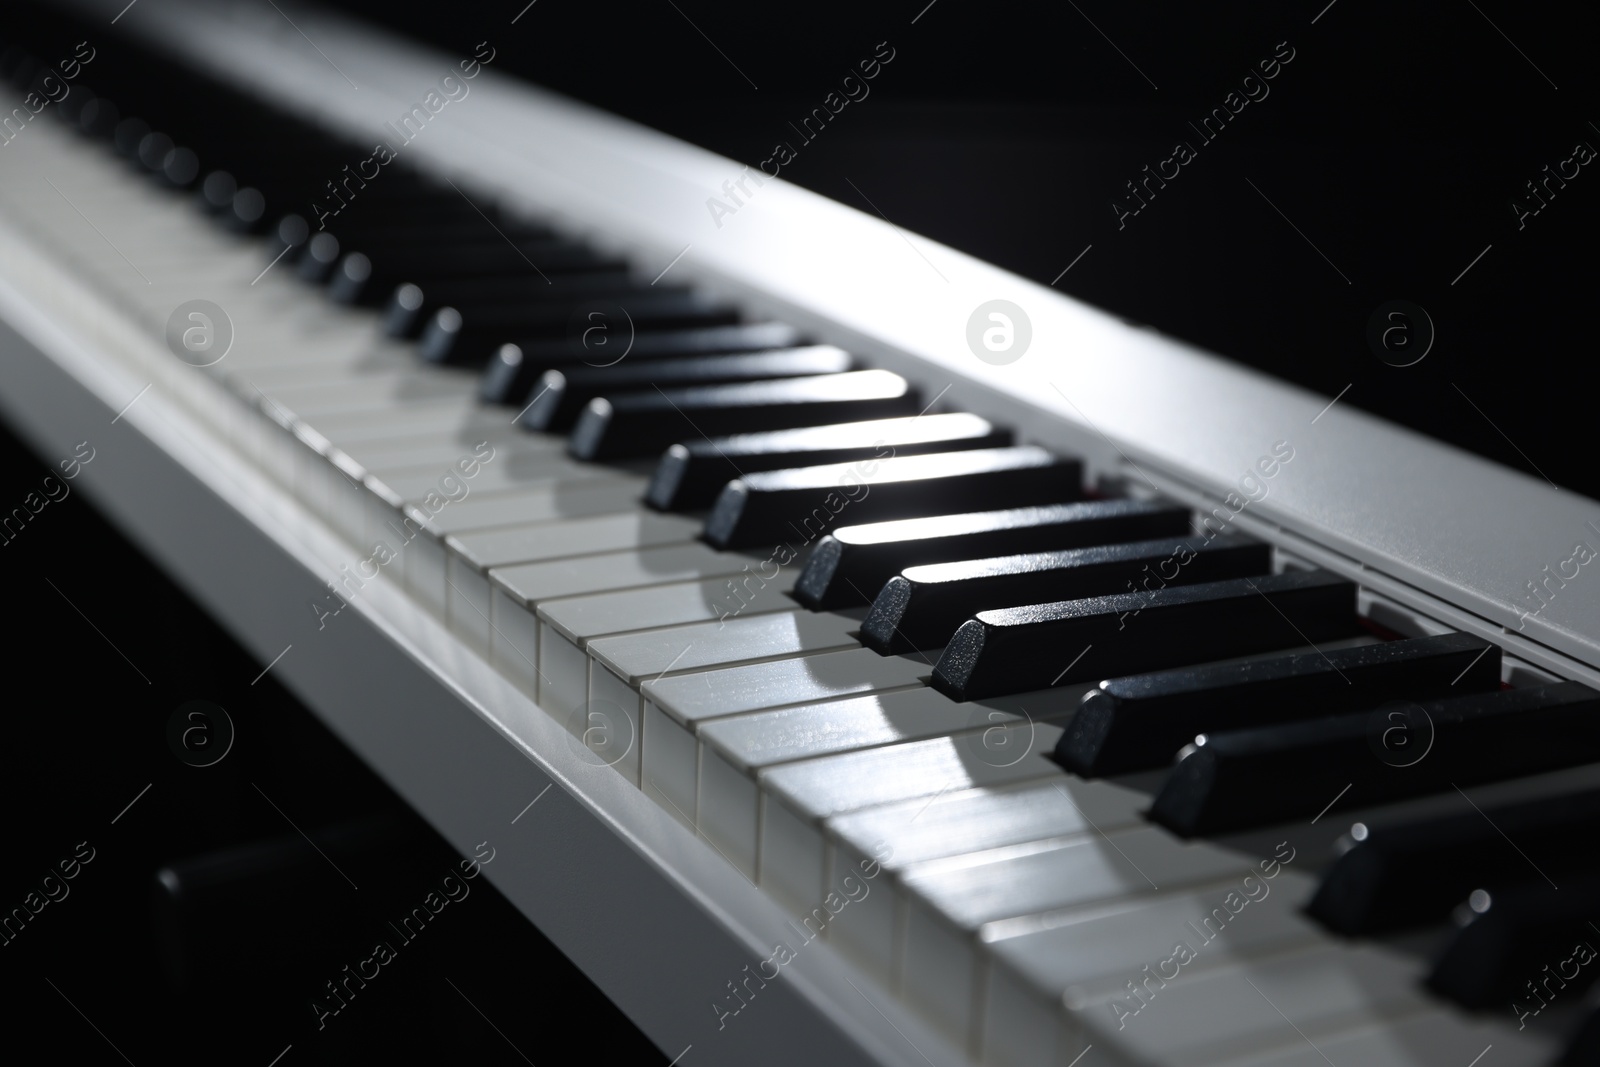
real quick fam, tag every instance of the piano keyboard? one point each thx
(1056, 770)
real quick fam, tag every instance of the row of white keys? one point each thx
(1061, 981)
(377, 433)
(893, 838)
(345, 391)
(734, 751)
(471, 555)
(448, 566)
(425, 524)
(947, 902)
(402, 454)
(676, 708)
(408, 453)
(797, 798)
(370, 470)
(561, 673)
(1037, 968)
(355, 392)
(619, 665)
(1213, 1017)
(558, 633)
(1300, 1004)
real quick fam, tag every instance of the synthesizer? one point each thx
(862, 663)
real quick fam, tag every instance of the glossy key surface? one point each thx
(1012, 650)
(643, 423)
(850, 565)
(805, 503)
(922, 606)
(1396, 750)
(693, 472)
(1141, 721)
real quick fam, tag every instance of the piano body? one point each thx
(677, 651)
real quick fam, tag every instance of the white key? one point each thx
(974, 820)
(619, 665)
(436, 454)
(383, 391)
(579, 620)
(492, 477)
(471, 555)
(797, 797)
(751, 743)
(563, 628)
(533, 583)
(945, 902)
(1038, 964)
(538, 504)
(1227, 1012)
(563, 668)
(806, 680)
(470, 421)
(733, 751)
(427, 572)
(1425, 1040)
(636, 658)
(380, 457)
(273, 377)
(535, 542)
(300, 341)
(676, 707)
(899, 836)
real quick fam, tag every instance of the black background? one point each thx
(1395, 141)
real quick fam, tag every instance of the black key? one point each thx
(602, 326)
(369, 273)
(1527, 947)
(1244, 778)
(1014, 650)
(1140, 722)
(692, 473)
(1411, 874)
(560, 395)
(669, 344)
(413, 303)
(771, 507)
(922, 606)
(643, 423)
(850, 565)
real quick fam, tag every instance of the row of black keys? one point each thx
(1291, 729)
